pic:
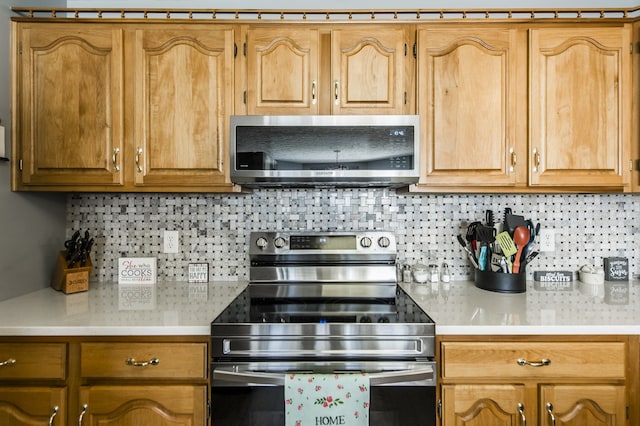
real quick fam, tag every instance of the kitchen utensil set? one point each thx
(501, 247)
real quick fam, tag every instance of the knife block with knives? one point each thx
(73, 265)
(70, 280)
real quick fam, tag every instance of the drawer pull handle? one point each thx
(54, 413)
(8, 362)
(542, 363)
(133, 362)
(522, 416)
(551, 416)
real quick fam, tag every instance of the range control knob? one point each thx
(262, 243)
(365, 319)
(280, 242)
(383, 320)
(384, 242)
(365, 242)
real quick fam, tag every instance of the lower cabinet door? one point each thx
(495, 405)
(26, 406)
(143, 405)
(582, 405)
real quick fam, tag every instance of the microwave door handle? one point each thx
(418, 377)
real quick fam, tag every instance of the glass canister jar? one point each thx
(420, 273)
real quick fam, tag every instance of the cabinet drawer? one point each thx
(144, 360)
(566, 360)
(33, 361)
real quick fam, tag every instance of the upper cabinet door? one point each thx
(367, 74)
(183, 100)
(282, 71)
(580, 114)
(69, 117)
(468, 82)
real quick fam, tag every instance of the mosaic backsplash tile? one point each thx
(215, 228)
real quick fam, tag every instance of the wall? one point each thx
(215, 228)
(32, 226)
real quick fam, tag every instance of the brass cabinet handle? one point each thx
(114, 159)
(522, 416)
(551, 416)
(336, 92)
(542, 363)
(85, 407)
(514, 159)
(137, 159)
(134, 363)
(54, 413)
(536, 160)
(8, 362)
(313, 92)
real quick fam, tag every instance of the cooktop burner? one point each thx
(263, 304)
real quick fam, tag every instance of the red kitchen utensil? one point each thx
(521, 237)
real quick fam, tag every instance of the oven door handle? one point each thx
(424, 376)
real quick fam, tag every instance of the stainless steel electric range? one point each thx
(322, 302)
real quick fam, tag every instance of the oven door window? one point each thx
(264, 406)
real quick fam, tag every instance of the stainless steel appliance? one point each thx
(322, 302)
(347, 151)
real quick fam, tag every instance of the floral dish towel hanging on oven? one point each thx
(326, 399)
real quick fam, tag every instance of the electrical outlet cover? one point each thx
(171, 242)
(547, 240)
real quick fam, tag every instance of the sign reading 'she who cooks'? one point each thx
(137, 270)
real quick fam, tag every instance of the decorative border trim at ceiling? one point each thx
(329, 15)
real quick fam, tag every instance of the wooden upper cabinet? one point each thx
(309, 70)
(183, 100)
(282, 71)
(68, 115)
(580, 106)
(368, 71)
(468, 82)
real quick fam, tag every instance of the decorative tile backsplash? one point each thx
(215, 228)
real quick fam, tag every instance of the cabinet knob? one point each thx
(313, 92)
(336, 92)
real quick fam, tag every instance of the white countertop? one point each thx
(171, 308)
(107, 309)
(462, 308)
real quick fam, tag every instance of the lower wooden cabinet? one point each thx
(115, 381)
(29, 405)
(519, 381)
(152, 405)
(508, 405)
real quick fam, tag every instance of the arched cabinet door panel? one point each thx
(69, 104)
(579, 110)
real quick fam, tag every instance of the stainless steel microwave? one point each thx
(326, 150)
